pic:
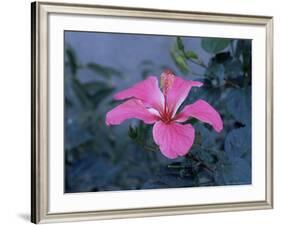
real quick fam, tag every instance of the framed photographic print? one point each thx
(147, 112)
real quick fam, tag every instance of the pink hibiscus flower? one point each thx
(151, 105)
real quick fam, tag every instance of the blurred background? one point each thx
(124, 157)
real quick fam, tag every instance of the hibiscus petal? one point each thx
(174, 139)
(179, 91)
(132, 108)
(201, 110)
(147, 90)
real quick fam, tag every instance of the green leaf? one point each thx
(214, 45)
(96, 86)
(233, 68)
(207, 136)
(180, 62)
(104, 71)
(72, 60)
(98, 90)
(239, 105)
(100, 95)
(180, 44)
(68, 102)
(240, 172)
(238, 143)
(191, 55)
(80, 92)
(216, 73)
(132, 132)
(238, 149)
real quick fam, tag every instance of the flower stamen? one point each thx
(166, 80)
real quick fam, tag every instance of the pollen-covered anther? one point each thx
(166, 80)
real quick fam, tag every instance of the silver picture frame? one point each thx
(40, 104)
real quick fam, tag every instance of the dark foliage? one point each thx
(98, 158)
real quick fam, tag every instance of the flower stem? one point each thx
(230, 83)
(150, 148)
(176, 166)
(201, 162)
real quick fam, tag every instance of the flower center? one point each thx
(166, 117)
